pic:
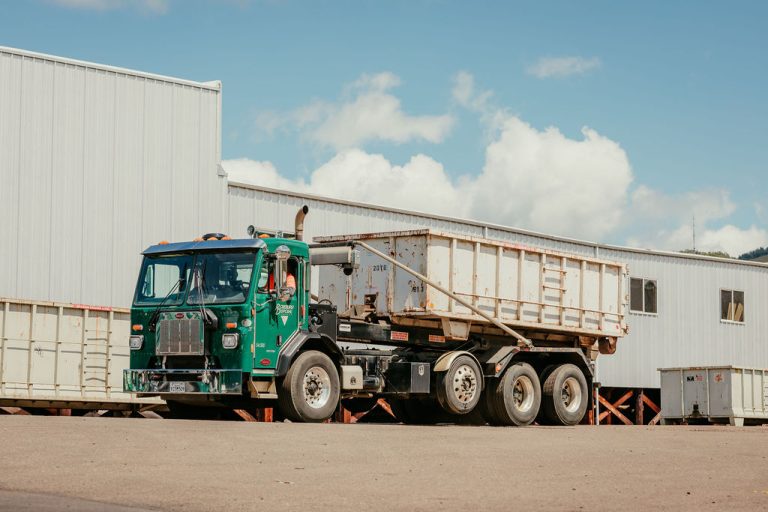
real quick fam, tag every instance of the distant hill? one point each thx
(759, 254)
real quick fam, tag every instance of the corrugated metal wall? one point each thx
(96, 163)
(686, 331)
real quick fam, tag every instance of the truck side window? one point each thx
(264, 273)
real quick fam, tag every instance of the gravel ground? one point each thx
(120, 465)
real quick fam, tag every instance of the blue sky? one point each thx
(680, 88)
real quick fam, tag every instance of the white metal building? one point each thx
(97, 163)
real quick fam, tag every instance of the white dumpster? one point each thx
(717, 394)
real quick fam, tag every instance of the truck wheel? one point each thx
(565, 395)
(459, 388)
(514, 399)
(309, 392)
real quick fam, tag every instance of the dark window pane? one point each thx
(726, 312)
(738, 306)
(636, 294)
(650, 296)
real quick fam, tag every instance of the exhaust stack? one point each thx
(299, 223)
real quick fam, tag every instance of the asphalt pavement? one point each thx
(132, 465)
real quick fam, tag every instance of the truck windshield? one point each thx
(222, 278)
(159, 278)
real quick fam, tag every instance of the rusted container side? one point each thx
(54, 354)
(521, 286)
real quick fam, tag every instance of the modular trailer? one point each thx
(229, 322)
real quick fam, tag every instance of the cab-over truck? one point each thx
(446, 328)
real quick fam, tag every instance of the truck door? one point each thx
(276, 319)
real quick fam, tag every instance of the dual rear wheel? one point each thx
(519, 397)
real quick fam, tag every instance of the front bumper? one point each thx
(183, 382)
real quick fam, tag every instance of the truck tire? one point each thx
(309, 392)
(565, 395)
(515, 398)
(459, 387)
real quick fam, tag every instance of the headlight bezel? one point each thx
(136, 341)
(230, 340)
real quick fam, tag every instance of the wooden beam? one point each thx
(650, 404)
(14, 410)
(626, 396)
(384, 405)
(245, 415)
(608, 405)
(655, 419)
(639, 410)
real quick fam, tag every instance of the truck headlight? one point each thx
(229, 340)
(136, 342)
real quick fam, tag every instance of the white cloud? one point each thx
(731, 239)
(264, 174)
(367, 112)
(155, 6)
(420, 184)
(464, 93)
(544, 181)
(663, 221)
(704, 205)
(532, 179)
(559, 67)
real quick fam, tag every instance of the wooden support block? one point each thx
(639, 410)
(608, 405)
(655, 419)
(342, 415)
(245, 415)
(384, 405)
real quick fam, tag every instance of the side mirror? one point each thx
(282, 292)
(285, 294)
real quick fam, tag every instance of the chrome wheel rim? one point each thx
(465, 384)
(570, 394)
(522, 394)
(317, 387)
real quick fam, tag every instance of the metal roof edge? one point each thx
(488, 225)
(214, 85)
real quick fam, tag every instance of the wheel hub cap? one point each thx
(317, 387)
(570, 394)
(465, 384)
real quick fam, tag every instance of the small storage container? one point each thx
(717, 394)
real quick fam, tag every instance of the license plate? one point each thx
(177, 387)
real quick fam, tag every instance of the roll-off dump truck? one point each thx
(446, 328)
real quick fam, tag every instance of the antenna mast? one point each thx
(694, 233)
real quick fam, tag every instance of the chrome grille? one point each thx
(180, 336)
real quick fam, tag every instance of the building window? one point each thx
(642, 295)
(732, 306)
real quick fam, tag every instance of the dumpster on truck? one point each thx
(453, 329)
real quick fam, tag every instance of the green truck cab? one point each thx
(216, 320)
